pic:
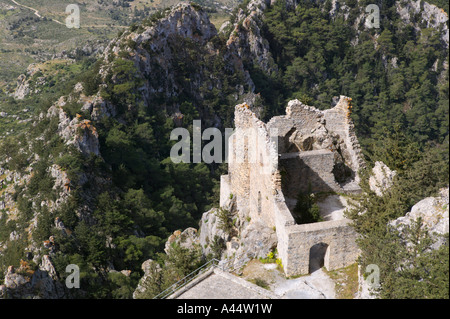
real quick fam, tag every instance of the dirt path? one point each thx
(36, 12)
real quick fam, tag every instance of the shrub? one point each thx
(225, 220)
(306, 211)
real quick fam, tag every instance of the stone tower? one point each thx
(306, 150)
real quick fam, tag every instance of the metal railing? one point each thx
(187, 279)
(196, 273)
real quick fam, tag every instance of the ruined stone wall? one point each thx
(295, 241)
(261, 188)
(256, 180)
(253, 166)
(283, 219)
(225, 189)
(300, 119)
(305, 117)
(238, 163)
(308, 171)
(338, 120)
(284, 127)
(305, 128)
(338, 235)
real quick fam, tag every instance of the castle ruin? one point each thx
(306, 150)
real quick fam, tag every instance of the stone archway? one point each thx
(318, 257)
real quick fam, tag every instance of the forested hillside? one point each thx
(120, 205)
(84, 155)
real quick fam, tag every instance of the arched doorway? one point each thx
(318, 257)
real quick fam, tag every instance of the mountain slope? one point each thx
(34, 30)
(102, 149)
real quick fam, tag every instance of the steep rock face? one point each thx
(147, 267)
(183, 20)
(98, 108)
(25, 85)
(246, 37)
(77, 131)
(8, 181)
(175, 57)
(429, 14)
(187, 239)
(244, 241)
(26, 283)
(257, 240)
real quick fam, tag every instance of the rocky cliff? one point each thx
(171, 60)
(176, 56)
(25, 283)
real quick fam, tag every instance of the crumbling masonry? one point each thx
(270, 163)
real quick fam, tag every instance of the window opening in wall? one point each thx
(259, 202)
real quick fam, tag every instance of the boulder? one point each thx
(186, 239)
(434, 214)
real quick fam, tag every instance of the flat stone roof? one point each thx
(217, 284)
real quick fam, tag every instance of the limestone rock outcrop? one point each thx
(257, 240)
(27, 283)
(187, 238)
(77, 131)
(148, 266)
(24, 84)
(381, 179)
(211, 232)
(155, 50)
(23, 87)
(434, 214)
(429, 14)
(248, 240)
(246, 36)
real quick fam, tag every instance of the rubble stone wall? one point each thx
(262, 179)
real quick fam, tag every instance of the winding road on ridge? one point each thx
(36, 12)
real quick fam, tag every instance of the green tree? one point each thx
(306, 209)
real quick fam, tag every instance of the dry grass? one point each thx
(346, 280)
